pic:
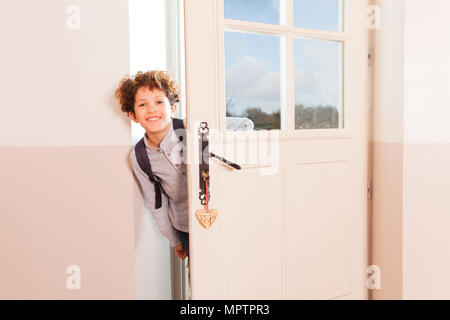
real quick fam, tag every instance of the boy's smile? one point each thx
(153, 112)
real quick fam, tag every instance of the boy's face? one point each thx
(152, 110)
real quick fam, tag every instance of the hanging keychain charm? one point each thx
(206, 216)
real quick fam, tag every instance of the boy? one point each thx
(150, 99)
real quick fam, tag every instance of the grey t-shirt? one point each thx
(168, 163)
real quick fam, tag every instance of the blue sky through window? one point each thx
(313, 14)
(265, 11)
(317, 14)
(317, 65)
(252, 62)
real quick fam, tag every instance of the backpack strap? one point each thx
(178, 124)
(144, 162)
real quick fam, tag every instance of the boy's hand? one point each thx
(180, 251)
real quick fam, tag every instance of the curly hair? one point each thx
(155, 79)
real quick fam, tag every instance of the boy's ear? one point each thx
(132, 116)
(174, 109)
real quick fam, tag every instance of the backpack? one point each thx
(144, 161)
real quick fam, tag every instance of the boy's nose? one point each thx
(151, 107)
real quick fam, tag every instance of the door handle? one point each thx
(231, 164)
(204, 177)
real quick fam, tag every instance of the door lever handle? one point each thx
(203, 170)
(231, 164)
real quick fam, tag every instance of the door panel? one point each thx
(293, 227)
(254, 235)
(322, 226)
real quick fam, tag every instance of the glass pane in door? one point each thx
(265, 11)
(318, 84)
(318, 14)
(252, 71)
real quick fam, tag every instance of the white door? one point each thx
(292, 222)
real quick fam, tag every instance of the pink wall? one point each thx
(411, 150)
(63, 206)
(427, 151)
(67, 189)
(426, 222)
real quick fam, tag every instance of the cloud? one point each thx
(276, 5)
(306, 81)
(245, 73)
(250, 83)
(317, 77)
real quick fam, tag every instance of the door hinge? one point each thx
(369, 189)
(370, 56)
